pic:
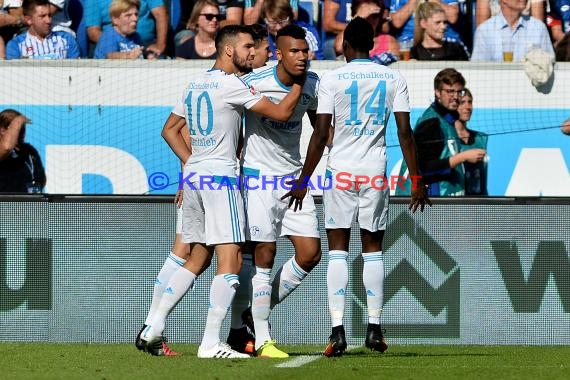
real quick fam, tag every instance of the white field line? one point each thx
(302, 360)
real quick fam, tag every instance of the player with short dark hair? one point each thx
(268, 215)
(212, 107)
(262, 51)
(356, 99)
(271, 149)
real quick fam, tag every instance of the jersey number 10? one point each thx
(195, 113)
(375, 106)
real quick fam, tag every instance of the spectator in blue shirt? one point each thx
(39, 41)
(122, 40)
(510, 31)
(152, 22)
(402, 15)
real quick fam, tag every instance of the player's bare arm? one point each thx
(408, 145)
(315, 151)
(312, 114)
(172, 133)
(185, 135)
(282, 111)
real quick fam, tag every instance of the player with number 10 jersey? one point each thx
(212, 105)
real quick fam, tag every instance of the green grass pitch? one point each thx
(123, 361)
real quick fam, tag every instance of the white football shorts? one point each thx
(269, 217)
(367, 205)
(213, 216)
(179, 216)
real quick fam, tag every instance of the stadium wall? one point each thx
(466, 271)
(97, 124)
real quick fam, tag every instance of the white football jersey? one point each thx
(270, 146)
(361, 95)
(213, 105)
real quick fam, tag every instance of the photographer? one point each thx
(21, 169)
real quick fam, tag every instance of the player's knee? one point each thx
(264, 255)
(309, 258)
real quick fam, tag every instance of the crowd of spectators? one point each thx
(478, 30)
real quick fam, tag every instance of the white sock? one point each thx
(242, 297)
(222, 292)
(286, 280)
(181, 281)
(260, 304)
(337, 282)
(170, 266)
(373, 280)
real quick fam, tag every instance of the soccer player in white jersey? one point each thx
(39, 41)
(212, 108)
(271, 158)
(179, 254)
(357, 99)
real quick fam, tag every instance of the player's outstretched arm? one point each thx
(408, 145)
(172, 133)
(315, 150)
(284, 110)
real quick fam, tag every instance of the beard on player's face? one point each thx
(242, 64)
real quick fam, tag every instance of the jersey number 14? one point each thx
(375, 106)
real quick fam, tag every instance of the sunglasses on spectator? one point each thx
(277, 22)
(211, 16)
(452, 92)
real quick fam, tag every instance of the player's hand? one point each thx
(178, 198)
(296, 194)
(419, 196)
(300, 79)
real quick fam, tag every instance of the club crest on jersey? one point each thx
(254, 231)
(305, 99)
(252, 90)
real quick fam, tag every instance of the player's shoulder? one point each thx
(312, 76)
(259, 74)
(222, 77)
(385, 72)
(311, 84)
(213, 79)
(332, 72)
